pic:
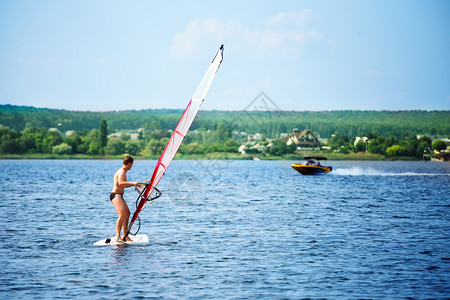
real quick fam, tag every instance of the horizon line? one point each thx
(226, 110)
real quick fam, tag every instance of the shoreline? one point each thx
(217, 156)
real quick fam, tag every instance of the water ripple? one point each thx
(256, 230)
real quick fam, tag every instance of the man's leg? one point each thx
(125, 223)
(123, 214)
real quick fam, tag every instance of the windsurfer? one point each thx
(116, 196)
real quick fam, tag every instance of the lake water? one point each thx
(228, 229)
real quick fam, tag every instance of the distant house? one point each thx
(258, 147)
(303, 139)
(115, 135)
(242, 149)
(255, 148)
(54, 130)
(70, 132)
(256, 136)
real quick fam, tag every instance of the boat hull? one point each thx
(311, 170)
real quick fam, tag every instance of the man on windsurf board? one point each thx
(116, 197)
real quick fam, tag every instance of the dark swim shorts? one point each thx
(113, 195)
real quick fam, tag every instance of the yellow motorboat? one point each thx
(312, 166)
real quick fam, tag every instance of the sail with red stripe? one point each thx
(179, 133)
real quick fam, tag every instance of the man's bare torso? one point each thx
(122, 175)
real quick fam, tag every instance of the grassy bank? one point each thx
(56, 156)
(218, 156)
(342, 156)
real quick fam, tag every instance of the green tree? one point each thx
(9, 141)
(377, 145)
(115, 147)
(372, 135)
(223, 132)
(125, 136)
(62, 149)
(390, 141)
(103, 133)
(192, 148)
(345, 149)
(156, 146)
(141, 135)
(94, 148)
(280, 148)
(154, 125)
(132, 147)
(426, 140)
(231, 146)
(422, 148)
(90, 143)
(214, 147)
(74, 141)
(51, 138)
(395, 150)
(31, 139)
(410, 143)
(439, 145)
(337, 141)
(361, 146)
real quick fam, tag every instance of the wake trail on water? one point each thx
(356, 171)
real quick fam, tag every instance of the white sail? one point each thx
(185, 122)
(180, 131)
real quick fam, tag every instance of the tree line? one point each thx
(150, 141)
(49, 141)
(409, 145)
(269, 123)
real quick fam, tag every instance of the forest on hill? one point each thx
(30, 131)
(272, 124)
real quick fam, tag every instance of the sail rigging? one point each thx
(147, 194)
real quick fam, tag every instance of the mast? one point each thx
(178, 135)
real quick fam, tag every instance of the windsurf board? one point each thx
(135, 239)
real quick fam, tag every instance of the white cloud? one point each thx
(200, 32)
(291, 17)
(280, 34)
(275, 41)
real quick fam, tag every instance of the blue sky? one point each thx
(305, 55)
